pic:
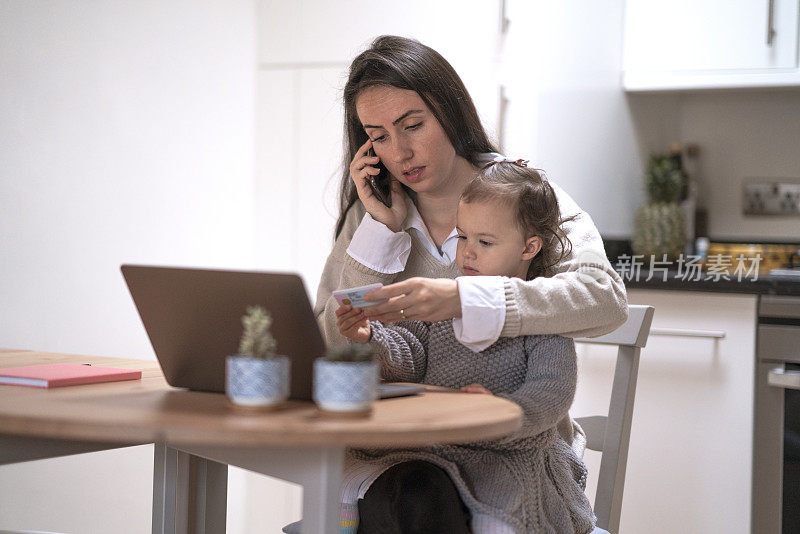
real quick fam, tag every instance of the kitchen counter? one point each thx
(762, 285)
(638, 275)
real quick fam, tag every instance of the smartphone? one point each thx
(381, 184)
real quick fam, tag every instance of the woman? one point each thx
(403, 101)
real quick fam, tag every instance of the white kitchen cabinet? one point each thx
(690, 460)
(697, 44)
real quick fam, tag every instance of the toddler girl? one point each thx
(530, 481)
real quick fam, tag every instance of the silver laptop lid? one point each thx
(193, 320)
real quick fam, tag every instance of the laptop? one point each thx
(193, 320)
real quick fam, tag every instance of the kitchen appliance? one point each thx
(776, 460)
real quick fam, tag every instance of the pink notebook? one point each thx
(63, 374)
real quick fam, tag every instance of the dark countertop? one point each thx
(761, 285)
(619, 254)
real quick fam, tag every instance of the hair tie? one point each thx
(499, 158)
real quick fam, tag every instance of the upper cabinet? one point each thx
(706, 44)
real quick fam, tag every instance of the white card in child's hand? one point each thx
(355, 296)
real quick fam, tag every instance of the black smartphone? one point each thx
(381, 184)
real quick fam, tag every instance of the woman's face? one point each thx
(407, 138)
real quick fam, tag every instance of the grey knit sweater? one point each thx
(531, 479)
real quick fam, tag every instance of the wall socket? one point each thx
(771, 198)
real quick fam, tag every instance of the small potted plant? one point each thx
(659, 225)
(346, 379)
(257, 376)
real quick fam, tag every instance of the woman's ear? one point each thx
(532, 247)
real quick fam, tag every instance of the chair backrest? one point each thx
(611, 434)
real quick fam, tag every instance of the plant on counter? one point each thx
(659, 227)
(346, 379)
(257, 376)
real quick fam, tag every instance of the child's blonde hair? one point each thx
(526, 191)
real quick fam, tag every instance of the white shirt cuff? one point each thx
(378, 248)
(483, 311)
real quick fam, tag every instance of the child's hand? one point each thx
(475, 388)
(353, 325)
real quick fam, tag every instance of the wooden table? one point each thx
(197, 435)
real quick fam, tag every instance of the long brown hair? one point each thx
(527, 191)
(408, 64)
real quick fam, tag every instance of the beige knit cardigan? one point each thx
(573, 303)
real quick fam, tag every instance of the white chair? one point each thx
(611, 434)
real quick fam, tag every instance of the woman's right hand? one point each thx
(361, 168)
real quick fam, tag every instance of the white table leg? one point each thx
(170, 480)
(190, 494)
(319, 471)
(210, 495)
(322, 474)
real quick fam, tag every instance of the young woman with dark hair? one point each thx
(407, 111)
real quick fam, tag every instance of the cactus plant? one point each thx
(346, 379)
(659, 225)
(355, 352)
(257, 376)
(659, 230)
(257, 340)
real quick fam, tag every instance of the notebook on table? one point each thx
(193, 320)
(63, 374)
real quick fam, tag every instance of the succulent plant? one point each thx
(257, 340)
(664, 179)
(354, 352)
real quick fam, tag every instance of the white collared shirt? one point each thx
(483, 302)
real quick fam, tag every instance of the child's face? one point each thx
(490, 241)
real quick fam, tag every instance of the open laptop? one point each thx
(193, 320)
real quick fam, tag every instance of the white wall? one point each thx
(126, 135)
(744, 136)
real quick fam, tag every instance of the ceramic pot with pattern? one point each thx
(345, 387)
(257, 382)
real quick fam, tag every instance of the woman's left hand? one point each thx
(418, 299)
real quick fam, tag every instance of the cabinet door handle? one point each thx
(501, 120)
(780, 378)
(679, 332)
(504, 22)
(770, 22)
